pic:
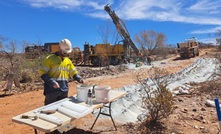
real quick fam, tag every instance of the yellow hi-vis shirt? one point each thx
(55, 69)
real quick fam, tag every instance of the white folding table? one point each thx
(63, 114)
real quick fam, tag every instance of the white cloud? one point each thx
(170, 10)
(208, 40)
(68, 4)
(96, 5)
(206, 31)
(206, 6)
(148, 9)
(195, 11)
(60, 4)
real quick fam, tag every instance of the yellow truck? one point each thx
(103, 54)
(189, 48)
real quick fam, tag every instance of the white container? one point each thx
(102, 93)
(82, 91)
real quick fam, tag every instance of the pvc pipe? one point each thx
(68, 112)
(75, 107)
(51, 119)
(218, 111)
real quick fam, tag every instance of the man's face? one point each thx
(62, 54)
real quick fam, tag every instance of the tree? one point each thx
(10, 61)
(150, 41)
(107, 33)
(14, 63)
(2, 39)
(9, 54)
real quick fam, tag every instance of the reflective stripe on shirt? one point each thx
(57, 68)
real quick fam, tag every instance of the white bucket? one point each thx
(82, 91)
(102, 93)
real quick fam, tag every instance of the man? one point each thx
(55, 71)
(149, 59)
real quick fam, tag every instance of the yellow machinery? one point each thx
(100, 54)
(35, 51)
(103, 54)
(189, 48)
(52, 47)
(106, 54)
(32, 52)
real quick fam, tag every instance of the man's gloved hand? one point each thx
(78, 78)
(81, 81)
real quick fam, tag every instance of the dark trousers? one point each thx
(55, 96)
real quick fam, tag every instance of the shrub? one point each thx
(30, 68)
(159, 102)
(26, 77)
(157, 99)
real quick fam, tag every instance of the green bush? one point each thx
(30, 70)
(26, 77)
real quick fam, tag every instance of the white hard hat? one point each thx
(65, 46)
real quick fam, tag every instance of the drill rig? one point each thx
(107, 54)
(122, 30)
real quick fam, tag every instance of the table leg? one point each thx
(36, 132)
(109, 114)
(96, 118)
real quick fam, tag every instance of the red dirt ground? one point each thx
(183, 120)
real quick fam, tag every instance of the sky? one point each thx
(80, 21)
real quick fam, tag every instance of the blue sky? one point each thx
(40, 21)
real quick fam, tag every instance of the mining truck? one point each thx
(189, 48)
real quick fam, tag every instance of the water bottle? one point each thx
(93, 91)
(89, 98)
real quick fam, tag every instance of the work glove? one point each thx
(81, 81)
(78, 78)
